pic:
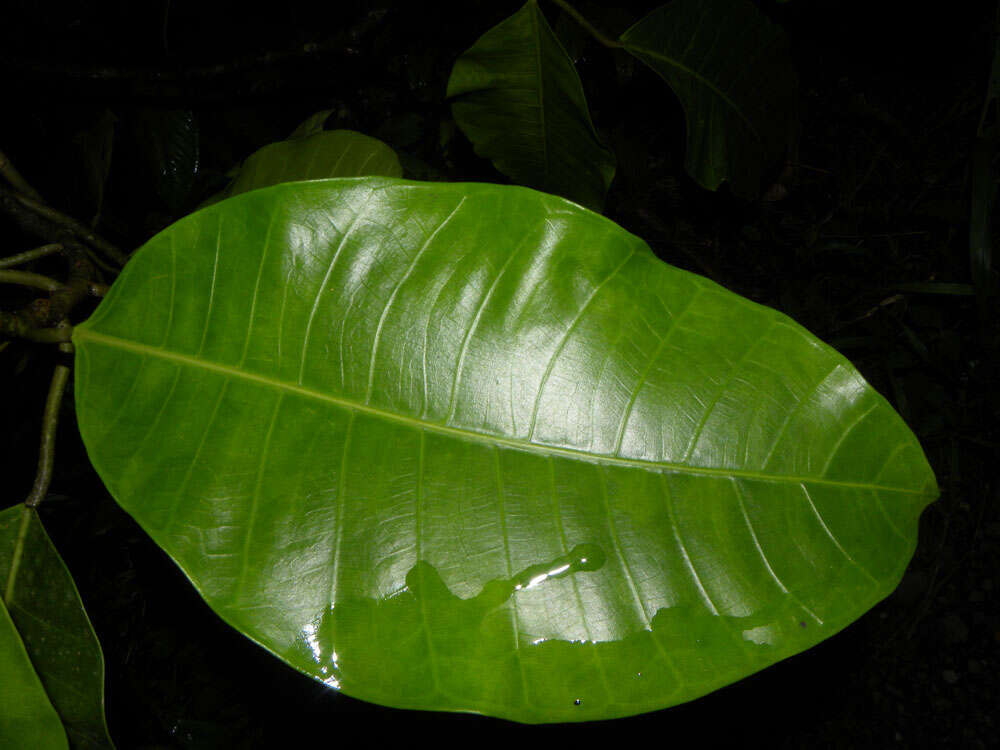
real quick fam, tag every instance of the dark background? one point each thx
(162, 97)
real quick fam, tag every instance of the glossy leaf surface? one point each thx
(472, 447)
(731, 69)
(45, 609)
(518, 98)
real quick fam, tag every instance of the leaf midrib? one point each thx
(81, 334)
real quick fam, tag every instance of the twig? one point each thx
(73, 226)
(27, 278)
(33, 321)
(918, 233)
(30, 255)
(50, 420)
(15, 179)
(49, 335)
(44, 226)
(810, 168)
(575, 15)
(184, 74)
(96, 259)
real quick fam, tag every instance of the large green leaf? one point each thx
(48, 618)
(518, 98)
(319, 155)
(27, 718)
(731, 69)
(472, 447)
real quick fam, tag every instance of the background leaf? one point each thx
(170, 143)
(518, 98)
(45, 608)
(312, 124)
(324, 154)
(983, 189)
(95, 144)
(471, 447)
(731, 69)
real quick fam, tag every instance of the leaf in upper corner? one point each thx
(983, 189)
(329, 153)
(981, 209)
(45, 609)
(472, 447)
(516, 95)
(731, 70)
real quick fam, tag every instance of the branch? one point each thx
(590, 28)
(240, 76)
(50, 335)
(34, 321)
(30, 255)
(26, 278)
(14, 178)
(62, 221)
(50, 421)
(183, 74)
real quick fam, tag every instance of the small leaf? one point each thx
(311, 125)
(330, 153)
(518, 98)
(731, 70)
(171, 143)
(44, 606)
(471, 447)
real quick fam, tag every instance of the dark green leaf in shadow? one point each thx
(171, 144)
(96, 144)
(731, 70)
(982, 205)
(312, 124)
(984, 188)
(572, 36)
(518, 98)
(474, 448)
(330, 153)
(45, 607)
